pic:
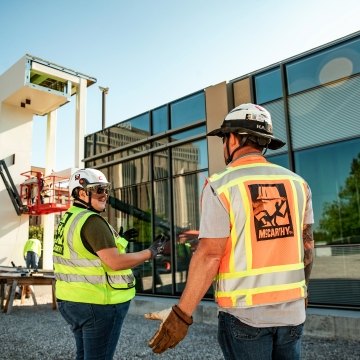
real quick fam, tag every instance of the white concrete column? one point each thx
(80, 123)
(49, 220)
(51, 142)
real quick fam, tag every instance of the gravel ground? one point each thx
(40, 333)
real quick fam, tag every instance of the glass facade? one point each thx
(333, 173)
(321, 119)
(160, 121)
(331, 64)
(187, 111)
(158, 162)
(268, 86)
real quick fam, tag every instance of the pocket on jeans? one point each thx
(75, 313)
(242, 331)
(297, 331)
(61, 307)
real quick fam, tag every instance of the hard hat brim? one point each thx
(274, 143)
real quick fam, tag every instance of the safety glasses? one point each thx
(98, 189)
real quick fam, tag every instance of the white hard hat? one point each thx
(86, 179)
(249, 119)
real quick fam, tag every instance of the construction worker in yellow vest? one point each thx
(32, 253)
(94, 281)
(255, 245)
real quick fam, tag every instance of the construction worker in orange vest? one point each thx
(255, 245)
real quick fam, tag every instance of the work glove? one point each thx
(128, 234)
(157, 247)
(173, 328)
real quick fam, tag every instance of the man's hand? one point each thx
(129, 234)
(157, 247)
(173, 328)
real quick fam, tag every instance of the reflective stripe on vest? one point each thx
(77, 268)
(266, 206)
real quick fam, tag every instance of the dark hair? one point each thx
(75, 192)
(254, 141)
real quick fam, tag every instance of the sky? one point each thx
(149, 53)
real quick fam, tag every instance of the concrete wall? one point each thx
(12, 79)
(217, 108)
(15, 138)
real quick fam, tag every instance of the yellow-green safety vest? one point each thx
(33, 245)
(80, 275)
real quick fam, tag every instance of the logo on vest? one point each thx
(271, 212)
(59, 235)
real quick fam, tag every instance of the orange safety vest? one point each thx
(263, 260)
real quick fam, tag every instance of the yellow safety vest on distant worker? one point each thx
(33, 245)
(263, 261)
(80, 275)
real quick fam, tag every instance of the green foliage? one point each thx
(341, 218)
(36, 232)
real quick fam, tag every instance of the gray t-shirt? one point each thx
(215, 223)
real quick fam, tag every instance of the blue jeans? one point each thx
(96, 327)
(32, 260)
(240, 341)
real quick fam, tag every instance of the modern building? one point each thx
(158, 161)
(33, 86)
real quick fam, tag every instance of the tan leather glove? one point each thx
(173, 328)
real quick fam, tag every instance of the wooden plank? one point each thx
(11, 296)
(24, 281)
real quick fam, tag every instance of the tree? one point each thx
(341, 218)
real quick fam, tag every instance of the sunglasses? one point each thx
(98, 189)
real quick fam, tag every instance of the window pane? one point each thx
(326, 114)
(160, 164)
(335, 278)
(132, 130)
(193, 132)
(122, 134)
(268, 86)
(89, 145)
(188, 111)
(140, 124)
(282, 160)
(333, 173)
(186, 197)
(163, 268)
(189, 157)
(95, 144)
(331, 64)
(130, 151)
(160, 120)
(131, 172)
(101, 141)
(159, 142)
(132, 206)
(276, 110)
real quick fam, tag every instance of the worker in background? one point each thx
(94, 280)
(255, 242)
(32, 253)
